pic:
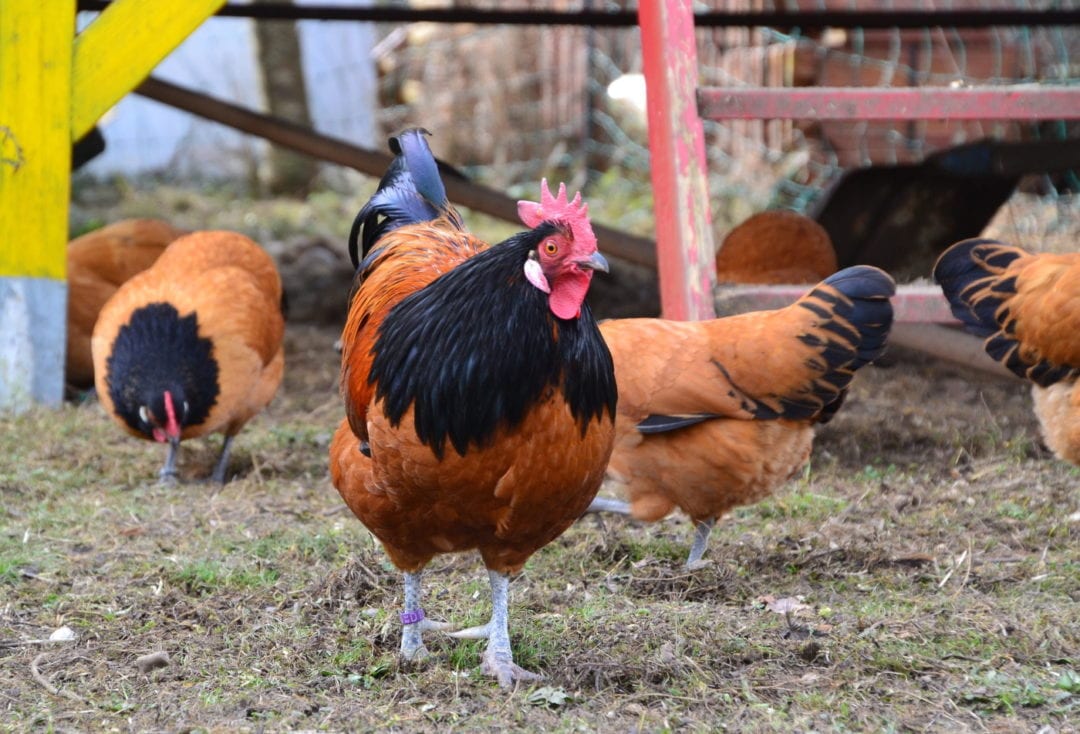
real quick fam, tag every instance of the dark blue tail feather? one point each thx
(410, 191)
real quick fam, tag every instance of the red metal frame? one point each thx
(910, 103)
(683, 232)
(684, 246)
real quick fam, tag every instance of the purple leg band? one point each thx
(412, 617)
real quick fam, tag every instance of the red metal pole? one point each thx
(685, 252)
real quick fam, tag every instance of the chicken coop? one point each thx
(558, 89)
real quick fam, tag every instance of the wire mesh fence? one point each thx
(510, 104)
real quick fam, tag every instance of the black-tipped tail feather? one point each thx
(852, 317)
(972, 275)
(870, 310)
(855, 317)
(968, 273)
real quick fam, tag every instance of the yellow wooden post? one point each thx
(53, 88)
(35, 164)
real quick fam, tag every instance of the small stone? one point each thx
(62, 634)
(152, 661)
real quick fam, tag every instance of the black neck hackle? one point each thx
(478, 347)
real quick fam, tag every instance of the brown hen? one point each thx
(98, 263)
(775, 247)
(714, 414)
(192, 345)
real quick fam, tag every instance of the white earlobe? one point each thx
(535, 275)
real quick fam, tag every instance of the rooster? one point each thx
(98, 263)
(480, 397)
(192, 345)
(1025, 306)
(774, 247)
(714, 414)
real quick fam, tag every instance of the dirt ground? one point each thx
(922, 574)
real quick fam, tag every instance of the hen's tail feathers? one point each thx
(973, 276)
(410, 191)
(868, 289)
(856, 317)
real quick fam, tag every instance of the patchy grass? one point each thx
(923, 574)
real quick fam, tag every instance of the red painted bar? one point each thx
(685, 254)
(1019, 102)
(912, 304)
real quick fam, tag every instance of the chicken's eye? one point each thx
(550, 247)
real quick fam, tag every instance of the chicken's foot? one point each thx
(414, 623)
(701, 542)
(498, 660)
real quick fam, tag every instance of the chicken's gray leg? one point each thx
(414, 623)
(701, 542)
(605, 504)
(223, 461)
(167, 475)
(498, 661)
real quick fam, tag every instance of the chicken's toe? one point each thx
(415, 654)
(501, 666)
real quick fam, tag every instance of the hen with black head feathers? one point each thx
(479, 394)
(192, 345)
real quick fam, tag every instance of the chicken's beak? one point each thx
(595, 262)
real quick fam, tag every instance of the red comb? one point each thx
(559, 209)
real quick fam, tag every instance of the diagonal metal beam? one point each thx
(629, 247)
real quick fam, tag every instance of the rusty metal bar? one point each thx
(1014, 102)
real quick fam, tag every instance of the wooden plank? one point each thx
(912, 304)
(945, 342)
(629, 247)
(120, 48)
(1014, 102)
(35, 139)
(685, 253)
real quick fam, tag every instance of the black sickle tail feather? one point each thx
(854, 317)
(972, 277)
(410, 191)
